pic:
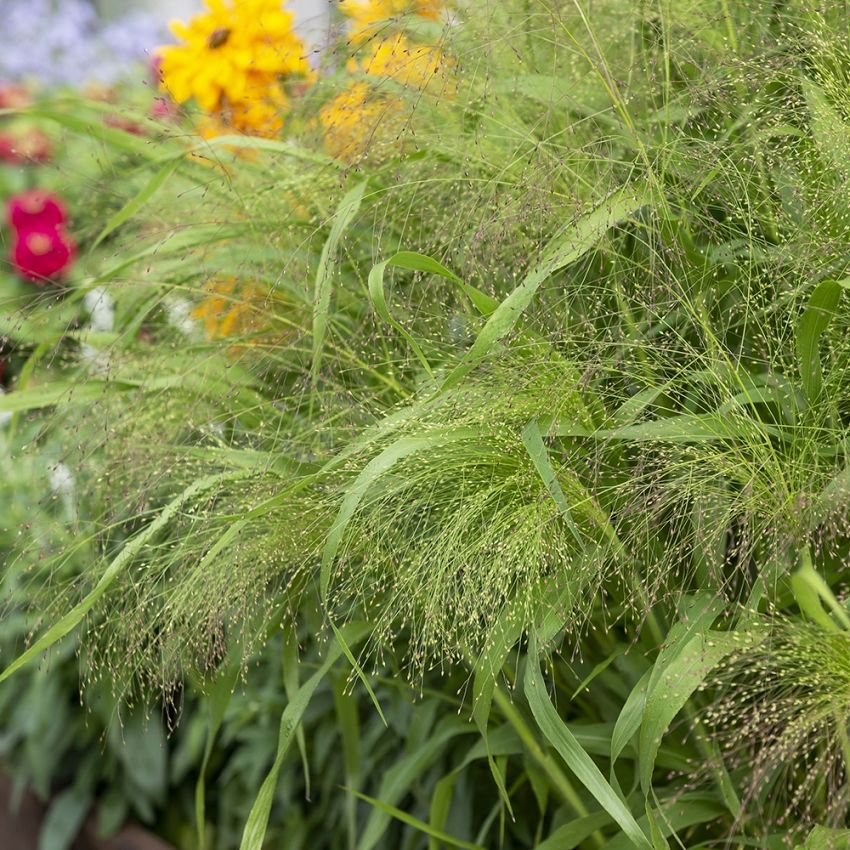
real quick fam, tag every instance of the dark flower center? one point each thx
(218, 38)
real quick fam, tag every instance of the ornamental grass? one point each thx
(461, 452)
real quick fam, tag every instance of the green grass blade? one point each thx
(55, 393)
(348, 723)
(580, 763)
(833, 496)
(598, 669)
(441, 803)
(379, 302)
(137, 201)
(700, 610)
(291, 683)
(400, 778)
(683, 811)
(630, 717)
(673, 688)
(830, 133)
(412, 261)
(216, 704)
(825, 838)
(254, 833)
(95, 129)
(532, 439)
(683, 428)
(346, 650)
(347, 210)
(700, 614)
(580, 238)
(506, 632)
(373, 471)
(571, 834)
(819, 312)
(630, 409)
(436, 834)
(809, 588)
(284, 147)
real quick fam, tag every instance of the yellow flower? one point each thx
(259, 114)
(399, 59)
(229, 309)
(357, 119)
(227, 51)
(368, 15)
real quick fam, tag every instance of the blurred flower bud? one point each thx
(42, 255)
(36, 209)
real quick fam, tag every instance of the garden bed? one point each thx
(436, 439)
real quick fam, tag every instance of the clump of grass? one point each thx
(784, 718)
(216, 576)
(463, 525)
(209, 587)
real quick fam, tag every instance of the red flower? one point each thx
(40, 254)
(36, 210)
(42, 248)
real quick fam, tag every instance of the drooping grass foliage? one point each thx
(786, 718)
(502, 401)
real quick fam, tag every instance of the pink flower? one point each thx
(42, 249)
(40, 255)
(163, 109)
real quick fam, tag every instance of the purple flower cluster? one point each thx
(66, 43)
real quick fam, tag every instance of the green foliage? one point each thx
(535, 417)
